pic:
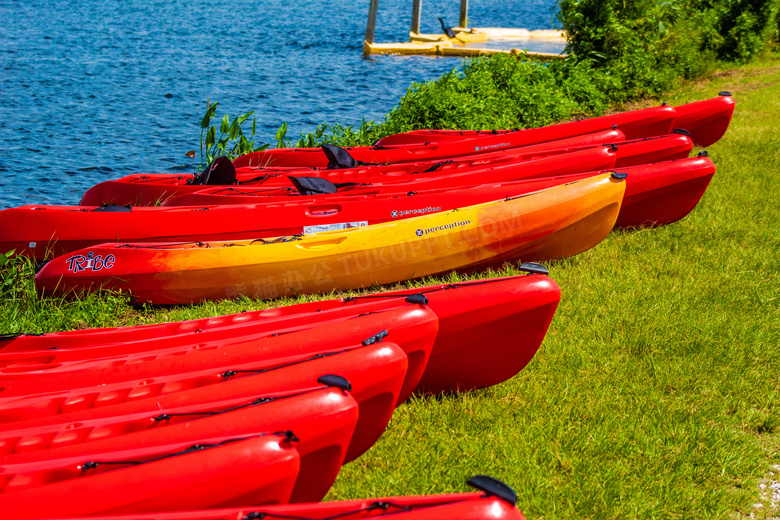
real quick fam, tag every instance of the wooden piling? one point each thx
(373, 7)
(416, 13)
(463, 20)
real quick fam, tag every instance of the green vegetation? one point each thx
(618, 51)
(656, 392)
(22, 310)
(231, 142)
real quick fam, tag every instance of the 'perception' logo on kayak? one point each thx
(418, 211)
(491, 147)
(451, 225)
(78, 263)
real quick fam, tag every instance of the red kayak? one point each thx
(657, 192)
(706, 121)
(485, 312)
(40, 231)
(510, 165)
(662, 193)
(16, 365)
(708, 118)
(424, 145)
(626, 154)
(375, 372)
(72, 228)
(256, 469)
(151, 189)
(322, 421)
(104, 382)
(496, 502)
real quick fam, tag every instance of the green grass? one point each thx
(656, 392)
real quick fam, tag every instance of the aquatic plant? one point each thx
(232, 141)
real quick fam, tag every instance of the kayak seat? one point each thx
(339, 158)
(313, 185)
(113, 208)
(220, 172)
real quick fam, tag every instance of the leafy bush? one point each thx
(740, 27)
(341, 135)
(647, 45)
(618, 50)
(503, 91)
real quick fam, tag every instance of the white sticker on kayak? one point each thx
(307, 230)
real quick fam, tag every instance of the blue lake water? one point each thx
(94, 90)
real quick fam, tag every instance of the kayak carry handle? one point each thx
(493, 487)
(619, 175)
(681, 131)
(335, 381)
(533, 268)
(288, 435)
(704, 153)
(417, 298)
(376, 338)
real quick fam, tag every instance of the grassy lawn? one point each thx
(656, 392)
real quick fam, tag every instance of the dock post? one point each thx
(464, 14)
(416, 12)
(372, 10)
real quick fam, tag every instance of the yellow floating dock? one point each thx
(465, 42)
(425, 45)
(442, 49)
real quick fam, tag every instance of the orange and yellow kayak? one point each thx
(547, 224)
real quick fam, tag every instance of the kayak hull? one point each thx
(376, 374)
(259, 470)
(322, 420)
(706, 121)
(460, 506)
(527, 228)
(150, 189)
(481, 312)
(30, 396)
(663, 193)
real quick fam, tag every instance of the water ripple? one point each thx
(91, 92)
